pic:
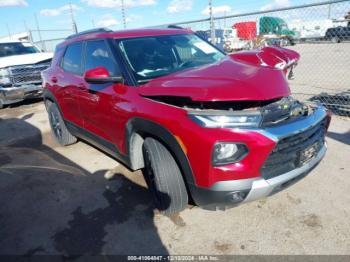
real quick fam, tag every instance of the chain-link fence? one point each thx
(320, 32)
(48, 39)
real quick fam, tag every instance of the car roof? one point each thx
(123, 34)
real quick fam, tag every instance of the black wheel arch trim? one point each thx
(48, 95)
(145, 127)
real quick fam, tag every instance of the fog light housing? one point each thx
(227, 153)
(236, 196)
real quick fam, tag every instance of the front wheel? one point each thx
(58, 127)
(163, 177)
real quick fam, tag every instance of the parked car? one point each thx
(338, 34)
(20, 66)
(220, 130)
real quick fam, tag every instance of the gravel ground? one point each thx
(55, 200)
(323, 67)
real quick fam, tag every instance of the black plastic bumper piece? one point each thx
(216, 200)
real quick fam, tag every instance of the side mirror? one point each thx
(100, 75)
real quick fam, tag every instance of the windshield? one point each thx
(155, 56)
(9, 49)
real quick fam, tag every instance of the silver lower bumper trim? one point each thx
(259, 187)
(9, 95)
(263, 188)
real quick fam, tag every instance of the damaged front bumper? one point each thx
(14, 94)
(229, 193)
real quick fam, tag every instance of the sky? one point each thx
(16, 15)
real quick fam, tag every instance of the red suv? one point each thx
(217, 129)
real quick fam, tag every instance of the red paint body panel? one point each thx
(227, 80)
(272, 57)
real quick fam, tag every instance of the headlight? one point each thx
(227, 119)
(228, 153)
(5, 77)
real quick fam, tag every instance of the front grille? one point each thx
(27, 74)
(294, 151)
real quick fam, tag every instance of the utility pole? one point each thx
(330, 10)
(93, 23)
(74, 25)
(212, 25)
(123, 13)
(42, 43)
(8, 30)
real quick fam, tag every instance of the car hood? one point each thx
(24, 59)
(227, 80)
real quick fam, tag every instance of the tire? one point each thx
(335, 39)
(58, 127)
(164, 179)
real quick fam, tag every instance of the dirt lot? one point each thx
(56, 200)
(323, 67)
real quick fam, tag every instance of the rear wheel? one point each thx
(59, 129)
(335, 39)
(164, 178)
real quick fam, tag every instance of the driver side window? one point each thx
(98, 54)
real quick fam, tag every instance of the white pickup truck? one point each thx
(21, 64)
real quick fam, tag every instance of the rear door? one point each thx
(69, 79)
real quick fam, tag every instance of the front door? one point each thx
(96, 101)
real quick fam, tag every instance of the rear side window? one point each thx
(72, 59)
(98, 54)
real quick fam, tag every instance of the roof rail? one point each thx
(175, 27)
(96, 30)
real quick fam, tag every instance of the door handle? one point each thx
(54, 79)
